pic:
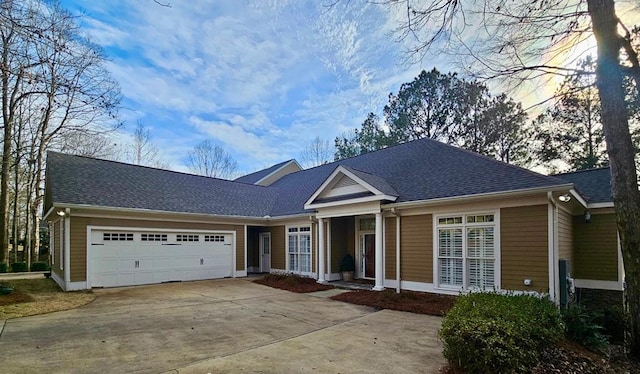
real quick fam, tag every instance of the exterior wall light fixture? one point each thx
(564, 198)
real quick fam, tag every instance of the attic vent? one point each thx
(345, 182)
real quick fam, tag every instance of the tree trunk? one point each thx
(4, 191)
(16, 215)
(624, 183)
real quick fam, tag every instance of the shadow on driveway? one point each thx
(228, 325)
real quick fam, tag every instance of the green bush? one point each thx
(495, 333)
(17, 267)
(582, 327)
(39, 266)
(613, 322)
(3, 267)
(347, 264)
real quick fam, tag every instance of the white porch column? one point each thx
(379, 254)
(321, 251)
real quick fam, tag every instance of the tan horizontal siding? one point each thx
(596, 248)
(278, 247)
(390, 248)
(416, 248)
(565, 236)
(78, 238)
(524, 248)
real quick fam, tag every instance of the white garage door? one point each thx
(125, 258)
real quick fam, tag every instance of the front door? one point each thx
(368, 250)
(265, 252)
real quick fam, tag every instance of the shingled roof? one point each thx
(418, 170)
(89, 181)
(422, 169)
(257, 176)
(593, 184)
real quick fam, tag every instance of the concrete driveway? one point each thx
(230, 325)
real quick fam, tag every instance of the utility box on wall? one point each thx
(564, 276)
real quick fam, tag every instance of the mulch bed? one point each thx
(570, 358)
(406, 301)
(292, 283)
(15, 297)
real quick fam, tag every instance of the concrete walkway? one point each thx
(31, 275)
(230, 326)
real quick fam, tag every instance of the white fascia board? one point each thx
(462, 198)
(578, 198)
(351, 201)
(324, 185)
(290, 216)
(327, 182)
(278, 169)
(44, 217)
(600, 205)
(162, 212)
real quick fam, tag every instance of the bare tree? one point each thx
(317, 152)
(142, 150)
(85, 144)
(525, 40)
(212, 160)
(53, 80)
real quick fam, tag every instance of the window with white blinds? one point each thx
(466, 251)
(299, 249)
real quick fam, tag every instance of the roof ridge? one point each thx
(583, 170)
(144, 167)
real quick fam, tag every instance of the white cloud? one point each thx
(262, 78)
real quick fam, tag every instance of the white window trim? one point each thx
(464, 225)
(310, 233)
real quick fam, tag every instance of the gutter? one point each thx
(266, 218)
(463, 198)
(153, 211)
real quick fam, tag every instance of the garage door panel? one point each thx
(121, 257)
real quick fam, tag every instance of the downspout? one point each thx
(397, 215)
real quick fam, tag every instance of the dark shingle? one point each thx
(593, 184)
(375, 181)
(254, 177)
(83, 180)
(418, 170)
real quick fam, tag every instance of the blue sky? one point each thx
(260, 78)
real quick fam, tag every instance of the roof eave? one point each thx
(462, 198)
(608, 204)
(351, 201)
(150, 211)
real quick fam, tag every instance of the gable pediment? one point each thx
(342, 186)
(346, 185)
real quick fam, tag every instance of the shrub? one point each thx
(17, 267)
(3, 267)
(613, 322)
(39, 266)
(494, 333)
(347, 264)
(582, 327)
